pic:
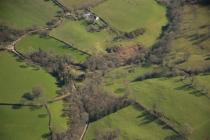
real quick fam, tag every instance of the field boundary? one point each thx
(61, 5)
(161, 117)
(49, 121)
(71, 46)
(45, 105)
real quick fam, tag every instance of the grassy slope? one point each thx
(127, 15)
(21, 14)
(74, 32)
(132, 125)
(33, 43)
(193, 39)
(169, 96)
(19, 124)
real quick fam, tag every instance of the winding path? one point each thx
(84, 131)
(11, 47)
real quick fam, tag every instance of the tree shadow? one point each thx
(205, 74)
(23, 66)
(46, 136)
(120, 90)
(26, 66)
(197, 93)
(146, 118)
(32, 108)
(185, 87)
(189, 88)
(196, 39)
(17, 106)
(207, 57)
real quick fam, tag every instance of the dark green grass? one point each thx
(22, 14)
(23, 124)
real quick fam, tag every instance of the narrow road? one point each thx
(59, 98)
(84, 131)
(11, 47)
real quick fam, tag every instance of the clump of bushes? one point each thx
(128, 35)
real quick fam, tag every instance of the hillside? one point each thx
(104, 70)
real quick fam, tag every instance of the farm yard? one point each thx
(104, 70)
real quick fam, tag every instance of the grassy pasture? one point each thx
(117, 83)
(128, 15)
(177, 102)
(75, 34)
(78, 4)
(33, 43)
(24, 123)
(132, 125)
(22, 14)
(17, 78)
(169, 96)
(193, 38)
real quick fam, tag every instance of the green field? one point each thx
(75, 34)
(177, 102)
(24, 123)
(170, 96)
(132, 124)
(22, 14)
(193, 38)
(78, 4)
(115, 82)
(128, 15)
(16, 79)
(33, 43)
(59, 122)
